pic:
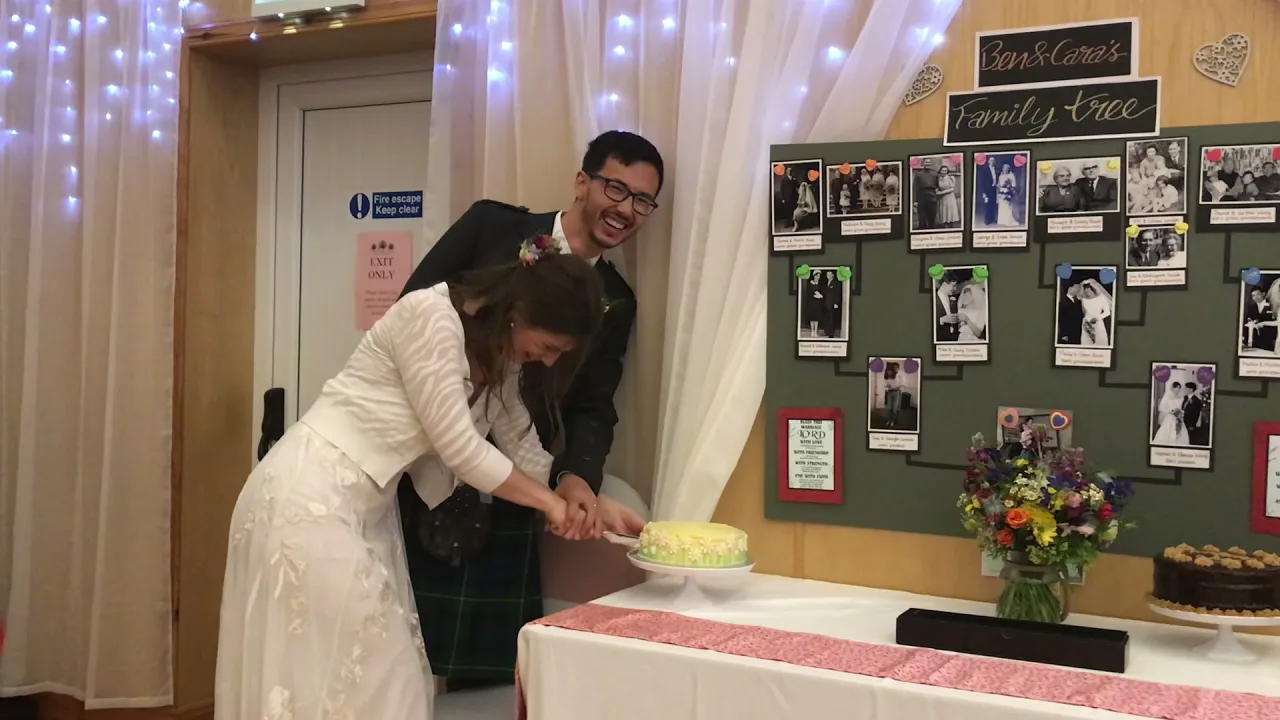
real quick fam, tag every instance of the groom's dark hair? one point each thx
(625, 147)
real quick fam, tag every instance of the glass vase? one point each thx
(1032, 592)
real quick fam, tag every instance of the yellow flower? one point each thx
(1043, 526)
(1020, 463)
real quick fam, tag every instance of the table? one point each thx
(571, 675)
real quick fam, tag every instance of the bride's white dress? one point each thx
(318, 619)
(1096, 309)
(1171, 431)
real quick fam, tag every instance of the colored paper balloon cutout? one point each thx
(779, 169)
(802, 271)
(980, 274)
(813, 176)
(914, 162)
(843, 273)
(1275, 153)
(1213, 155)
(845, 168)
(1046, 167)
(1059, 420)
(1064, 271)
(1205, 375)
(1106, 276)
(1009, 417)
(1252, 276)
(979, 158)
(1113, 164)
(1132, 231)
(876, 365)
(870, 164)
(1181, 227)
(1019, 160)
(937, 271)
(1161, 373)
(910, 366)
(956, 158)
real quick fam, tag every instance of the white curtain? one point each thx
(523, 85)
(88, 121)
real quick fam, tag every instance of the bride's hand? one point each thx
(557, 512)
(617, 517)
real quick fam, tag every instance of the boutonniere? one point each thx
(608, 304)
(538, 247)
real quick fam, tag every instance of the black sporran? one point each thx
(456, 530)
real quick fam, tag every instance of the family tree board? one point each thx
(1166, 275)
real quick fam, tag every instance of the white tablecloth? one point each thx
(570, 675)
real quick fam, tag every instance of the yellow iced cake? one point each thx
(693, 544)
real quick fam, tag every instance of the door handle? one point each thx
(272, 420)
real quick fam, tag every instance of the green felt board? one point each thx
(891, 317)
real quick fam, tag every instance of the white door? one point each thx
(340, 217)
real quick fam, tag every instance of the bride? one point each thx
(317, 616)
(1171, 430)
(972, 313)
(1095, 301)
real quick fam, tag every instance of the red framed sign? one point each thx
(1265, 516)
(811, 455)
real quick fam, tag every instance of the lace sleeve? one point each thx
(423, 336)
(516, 435)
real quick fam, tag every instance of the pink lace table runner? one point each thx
(921, 666)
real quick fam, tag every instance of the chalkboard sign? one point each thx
(1120, 109)
(1105, 50)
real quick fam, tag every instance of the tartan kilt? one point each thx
(470, 615)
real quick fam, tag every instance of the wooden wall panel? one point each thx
(217, 247)
(1170, 33)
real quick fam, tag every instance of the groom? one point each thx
(471, 614)
(1071, 317)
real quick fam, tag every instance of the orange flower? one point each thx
(1016, 518)
(1004, 538)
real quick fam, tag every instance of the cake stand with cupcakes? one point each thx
(691, 551)
(1227, 589)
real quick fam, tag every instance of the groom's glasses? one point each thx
(617, 191)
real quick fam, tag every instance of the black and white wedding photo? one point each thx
(1000, 191)
(1239, 174)
(1156, 246)
(797, 194)
(1259, 313)
(937, 192)
(1155, 177)
(822, 313)
(865, 189)
(893, 403)
(960, 313)
(1182, 405)
(1078, 185)
(1085, 320)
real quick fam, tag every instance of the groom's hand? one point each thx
(582, 521)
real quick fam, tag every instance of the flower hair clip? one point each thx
(537, 248)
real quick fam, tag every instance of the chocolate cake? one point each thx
(1209, 580)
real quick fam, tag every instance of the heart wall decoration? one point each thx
(1223, 61)
(927, 82)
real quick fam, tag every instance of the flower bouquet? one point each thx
(1039, 511)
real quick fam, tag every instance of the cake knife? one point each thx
(621, 539)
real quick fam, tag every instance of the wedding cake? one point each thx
(693, 544)
(1209, 580)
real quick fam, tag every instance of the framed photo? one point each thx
(864, 189)
(822, 314)
(1078, 186)
(893, 404)
(796, 197)
(1265, 513)
(1156, 257)
(1156, 177)
(1084, 325)
(1182, 396)
(811, 455)
(937, 201)
(1239, 175)
(1259, 353)
(961, 310)
(1001, 199)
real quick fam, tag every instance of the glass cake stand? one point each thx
(1225, 646)
(691, 594)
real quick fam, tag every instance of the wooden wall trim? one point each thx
(238, 31)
